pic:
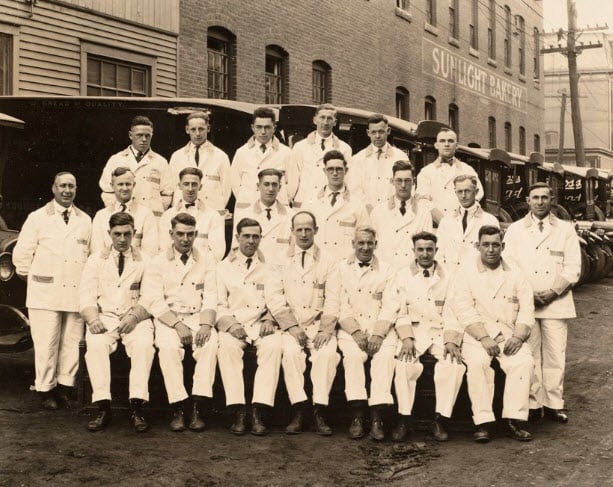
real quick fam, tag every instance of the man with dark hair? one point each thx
(209, 223)
(262, 151)
(145, 224)
(435, 180)
(211, 160)
(425, 324)
(305, 175)
(243, 319)
(370, 172)
(494, 306)
(179, 290)
(547, 250)
(153, 181)
(50, 253)
(273, 216)
(399, 218)
(108, 299)
(337, 211)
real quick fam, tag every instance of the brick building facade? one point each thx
(472, 63)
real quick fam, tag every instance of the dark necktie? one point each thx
(189, 205)
(323, 144)
(65, 216)
(184, 258)
(121, 263)
(268, 217)
(122, 207)
(334, 197)
(197, 155)
(248, 262)
(379, 153)
(403, 207)
(464, 221)
(364, 264)
(139, 156)
(263, 148)
(540, 225)
(426, 273)
(303, 256)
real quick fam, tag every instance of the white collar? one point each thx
(60, 209)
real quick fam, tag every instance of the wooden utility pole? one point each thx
(561, 136)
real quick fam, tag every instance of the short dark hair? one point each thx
(141, 120)
(405, 165)
(270, 171)
(424, 236)
(247, 222)
(325, 106)
(304, 212)
(444, 130)
(120, 171)
(193, 171)
(334, 154)
(377, 118)
(206, 116)
(489, 230)
(121, 218)
(184, 219)
(538, 185)
(264, 112)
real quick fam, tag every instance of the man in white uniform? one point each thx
(153, 181)
(145, 224)
(435, 181)
(399, 218)
(262, 151)
(303, 297)
(366, 332)
(305, 175)
(211, 160)
(494, 305)
(210, 224)
(547, 250)
(179, 290)
(108, 295)
(50, 253)
(243, 319)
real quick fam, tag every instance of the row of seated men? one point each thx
(55, 240)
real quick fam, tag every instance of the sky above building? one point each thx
(592, 12)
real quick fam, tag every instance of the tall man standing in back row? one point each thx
(547, 250)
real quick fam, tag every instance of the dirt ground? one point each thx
(53, 448)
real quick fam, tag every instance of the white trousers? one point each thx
(230, 358)
(139, 347)
(323, 369)
(56, 336)
(548, 344)
(382, 367)
(480, 378)
(447, 380)
(171, 354)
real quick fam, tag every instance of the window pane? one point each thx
(6, 64)
(110, 77)
(123, 77)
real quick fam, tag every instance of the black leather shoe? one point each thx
(137, 420)
(62, 395)
(258, 428)
(177, 422)
(321, 427)
(482, 434)
(101, 421)
(402, 429)
(48, 401)
(295, 425)
(535, 414)
(196, 423)
(376, 424)
(557, 415)
(514, 430)
(356, 428)
(240, 419)
(438, 428)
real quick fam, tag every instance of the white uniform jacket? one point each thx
(423, 306)
(370, 176)
(276, 232)
(209, 224)
(248, 161)
(215, 166)
(145, 228)
(365, 299)
(305, 170)
(154, 183)
(103, 292)
(240, 292)
(491, 303)
(337, 223)
(52, 254)
(297, 295)
(551, 259)
(171, 290)
(395, 231)
(456, 245)
(435, 183)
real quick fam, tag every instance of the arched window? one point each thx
(322, 82)
(536, 54)
(522, 140)
(521, 51)
(508, 137)
(402, 103)
(221, 63)
(491, 31)
(275, 78)
(430, 108)
(491, 130)
(537, 143)
(507, 36)
(454, 118)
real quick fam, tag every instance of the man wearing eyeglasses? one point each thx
(400, 217)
